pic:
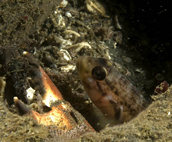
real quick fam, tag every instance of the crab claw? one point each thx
(61, 114)
(52, 94)
(54, 117)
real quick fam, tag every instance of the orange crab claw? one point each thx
(52, 94)
(62, 114)
(55, 117)
(58, 114)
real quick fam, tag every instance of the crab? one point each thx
(60, 113)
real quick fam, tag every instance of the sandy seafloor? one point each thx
(29, 25)
(153, 124)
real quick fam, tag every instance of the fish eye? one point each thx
(99, 73)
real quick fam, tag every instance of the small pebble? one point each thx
(68, 14)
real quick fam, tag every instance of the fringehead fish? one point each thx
(109, 90)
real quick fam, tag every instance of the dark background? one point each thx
(146, 26)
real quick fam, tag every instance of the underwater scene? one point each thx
(85, 71)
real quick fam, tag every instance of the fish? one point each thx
(116, 97)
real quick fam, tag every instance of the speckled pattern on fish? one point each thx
(109, 90)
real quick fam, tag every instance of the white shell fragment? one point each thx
(68, 68)
(63, 42)
(30, 93)
(72, 32)
(63, 3)
(65, 54)
(68, 14)
(61, 21)
(95, 7)
(55, 12)
(79, 46)
(25, 52)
